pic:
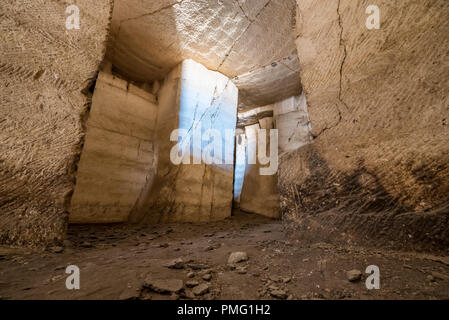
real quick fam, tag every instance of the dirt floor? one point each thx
(137, 262)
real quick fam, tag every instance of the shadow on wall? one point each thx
(320, 204)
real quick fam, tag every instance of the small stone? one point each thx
(192, 283)
(207, 277)
(354, 275)
(237, 257)
(279, 294)
(191, 275)
(189, 294)
(164, 285)
(209, 235)
(175, 264)
(195, 266)
(200, 289)
(286, 280)
(212, 247)
(205, 271)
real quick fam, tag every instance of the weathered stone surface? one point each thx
(43, 70)
(259, 192)
(192, 98)
(377, 170)
(234, 37)
(119, 155)
(279, 294)
(272, 83)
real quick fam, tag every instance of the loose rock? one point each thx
(207, 277)
(279, 294)
(200, 289)
(354, 275)
(176, 264)
(237, 257)
(165, 286)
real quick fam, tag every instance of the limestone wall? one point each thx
(259, 192)
(240, 165)
(191, 95)
(43, 70)
(292, 120)
(377, 171)
(119, 155)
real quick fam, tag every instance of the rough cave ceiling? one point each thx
(248, 40)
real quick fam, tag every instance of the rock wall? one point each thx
(259, 192)
(43, 70)
(240, 165)
(291, 118)
(251, 39)
(194, 99)
(377, 171)
(119, 154)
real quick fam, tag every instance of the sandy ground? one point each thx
(131, 262)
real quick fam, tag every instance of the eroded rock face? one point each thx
(195, 100)
(119, 155)
(43, 69)
(292, 120)
(248, 38)
(259, 191)
(377, 172)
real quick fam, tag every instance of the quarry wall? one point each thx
(196, 100)
(259, 192)
(377, 170)
(291, 118)
(119, 155)
(44, 70)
